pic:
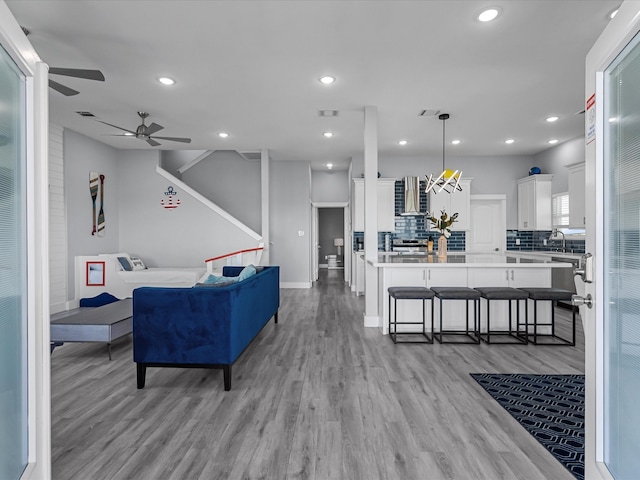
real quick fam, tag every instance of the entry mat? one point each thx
(549, 407)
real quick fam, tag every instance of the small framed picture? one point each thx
(95, 274)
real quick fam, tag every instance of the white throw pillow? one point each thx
(137, 264)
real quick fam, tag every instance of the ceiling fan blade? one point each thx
(152, 142)
(119, 128)
(58, 87)
(78, 73)
(153, 128)
(175, 139)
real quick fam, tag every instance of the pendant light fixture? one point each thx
(448, 180)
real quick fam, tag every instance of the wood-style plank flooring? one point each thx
(317, 396)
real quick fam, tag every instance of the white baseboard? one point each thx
(295, 284)
(372, 321)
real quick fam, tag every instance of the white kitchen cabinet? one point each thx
(576, 195)
(534, 202)
(451, 203)
(386, 205)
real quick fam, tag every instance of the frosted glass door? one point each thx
(13, 264)
(622, 264)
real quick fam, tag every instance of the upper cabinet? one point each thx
(457, 202)
(534, 202)
(386, 205)
(576, 196)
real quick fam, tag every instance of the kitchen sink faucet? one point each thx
(554, 235)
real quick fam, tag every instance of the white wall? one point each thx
(291, 213)
(81, 156)
(180, 237)
(172, 160)
(231, 182)
(554, 160)
(330, 186)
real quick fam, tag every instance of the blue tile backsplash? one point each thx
(414, 227)
(534, 241)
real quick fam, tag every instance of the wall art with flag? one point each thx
(96, 186)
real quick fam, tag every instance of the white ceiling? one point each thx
(251, 68)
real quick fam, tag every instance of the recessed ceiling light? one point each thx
(552, 119)
(167, 81)
(613, 119)
(329, 166)
(613, 14)
(489, 14)
(223, 135)
(402, 142)
(328, 134)
(327, 80)
(553, 141)
(455, 142)
(509, 141)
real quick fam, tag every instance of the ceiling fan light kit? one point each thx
(448, 180)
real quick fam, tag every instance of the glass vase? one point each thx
(442, 246)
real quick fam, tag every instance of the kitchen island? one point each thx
(512, 269)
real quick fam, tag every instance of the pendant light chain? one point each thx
(448, 181)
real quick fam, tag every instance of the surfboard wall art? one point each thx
(96, 186)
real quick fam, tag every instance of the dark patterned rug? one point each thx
(549, 407)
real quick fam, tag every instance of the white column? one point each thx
(264, 187)
(371, 316)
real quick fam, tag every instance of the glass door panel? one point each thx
(13, 266)
(622, 264)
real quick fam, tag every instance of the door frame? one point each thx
(500, 199)
(15, 42)
(315, 261)
(611, 42)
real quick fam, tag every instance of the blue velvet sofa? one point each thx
(202, 326)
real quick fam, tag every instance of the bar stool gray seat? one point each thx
(513, 335)
(552, 295)
(459, 293)
(410, 293)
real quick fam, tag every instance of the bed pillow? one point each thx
(137, 264)
(125, 263)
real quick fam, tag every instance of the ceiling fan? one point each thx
(73, 72)
(70, 72)
(145, 132)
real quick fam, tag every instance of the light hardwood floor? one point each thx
(317, 396)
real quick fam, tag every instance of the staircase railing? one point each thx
(239, 257)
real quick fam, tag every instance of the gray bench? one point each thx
(93, 324)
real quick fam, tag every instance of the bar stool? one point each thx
(460, 293)
(509, 294)
(552, 295)
(410, 293)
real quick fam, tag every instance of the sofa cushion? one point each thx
(246, 272)
(212, 280)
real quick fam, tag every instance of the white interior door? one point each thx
(612, 325)
(488, 224)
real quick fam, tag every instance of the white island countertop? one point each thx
(462, 259)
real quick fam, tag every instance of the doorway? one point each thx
(328, 238)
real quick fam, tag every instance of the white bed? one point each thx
(121, 283)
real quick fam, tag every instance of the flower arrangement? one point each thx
(444, 222)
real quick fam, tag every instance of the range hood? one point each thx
(412, 196)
